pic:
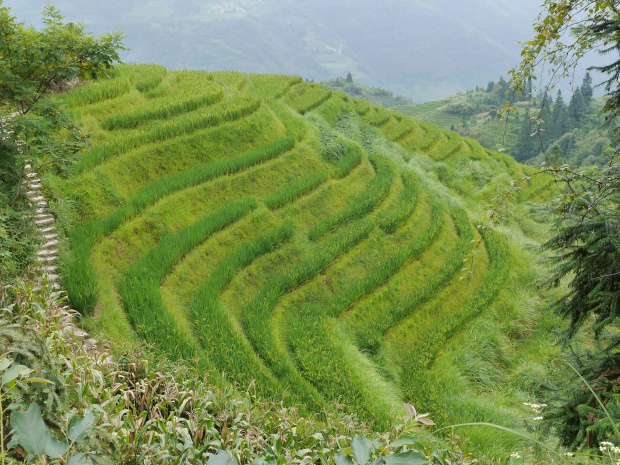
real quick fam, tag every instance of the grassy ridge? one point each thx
(348, 251)
(80, 281)
(256, 316)
(230, 352)
(375, 192)
(164, 130)
(139, 287)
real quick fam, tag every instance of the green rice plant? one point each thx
(391, 220)
(353, 157)
(432, 135)
(139, 285)
(232, 79)
(294, 124)
(306, 97)
(370, 331)
(477, 151)
(257, 314)
(294, 190)
(104, 89)
(214, 328)
(149, 77)
(205, 95)
(405, 127)
(274, 86)
(79, 278)
(454, 144)
(360, 205)
(379, 118)
(324, 362)
(159, 131)
(361, 107)
(429, 339)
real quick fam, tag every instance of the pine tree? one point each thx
(349, 78)
(577, 108)
(526, 146)
(586, 89)
(490, 87)
(559, 118)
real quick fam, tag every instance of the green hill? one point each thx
(278, 231)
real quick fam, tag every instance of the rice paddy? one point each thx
(281, 234)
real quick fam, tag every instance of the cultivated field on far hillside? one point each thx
(287, 235)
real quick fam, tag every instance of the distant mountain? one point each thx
(424, 50)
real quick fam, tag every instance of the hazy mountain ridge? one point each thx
(419, 50)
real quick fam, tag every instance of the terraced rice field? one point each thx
(279, 233)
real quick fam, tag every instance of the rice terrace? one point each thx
(302, 242)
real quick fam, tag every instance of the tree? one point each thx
(559, 119)
(33, 62)
(577, 108)
(586, 245)
(349, 78)
(586, 89)
(526, 145)
(33, 127)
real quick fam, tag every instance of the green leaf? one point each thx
(406, 458)
(55, 448)
(404, 441)
(361, 449)
(5, 363)
(222, 458)
(78, 459)
(81, 428)
(30, 430)
(14, 372)
(342, 459)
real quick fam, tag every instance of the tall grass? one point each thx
(352, 158)
(477, 151)
(391, 220)
(105, 89)
(79, 278)
(295, 190)
(325, 363)
(139, 286)
(405, 127)
(273, 86)
(257, 314)
(432, 135)
(306, 97)
(370, 331)
(149, 77)
(379, 117)
(213, 326)
(455, 143)
(446, 322)
(361, 107)
(360, 205)
(209, 94)
(163, 130)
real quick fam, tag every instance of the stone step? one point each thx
(47, 252)
(33, 193)
(41, 210)
(35, 185)
(34, 180)
(46, 259)
(49, 269)
(27, 166)
(42, 203)
(49, 229)
(52, 242)
(38, 198)
(52, 277)
(42, 216)
(51, 237)
(44, 221)
(31, 175)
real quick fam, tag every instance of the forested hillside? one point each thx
(544, 128)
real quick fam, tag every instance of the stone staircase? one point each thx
(47, 255)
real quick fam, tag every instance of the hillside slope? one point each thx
(278, 231)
